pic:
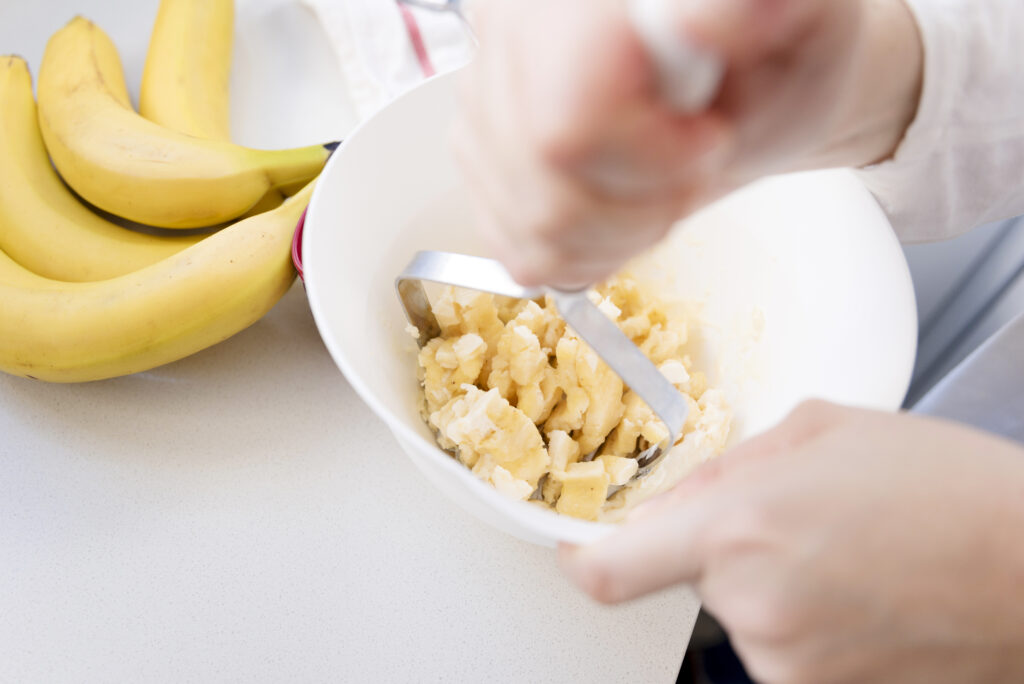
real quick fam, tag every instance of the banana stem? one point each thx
(305, 163)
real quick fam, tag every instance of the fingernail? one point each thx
(568, 557)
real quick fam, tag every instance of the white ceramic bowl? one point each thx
(800, 287)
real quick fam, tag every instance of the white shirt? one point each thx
(961, 162)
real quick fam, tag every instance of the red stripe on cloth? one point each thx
(416, 38)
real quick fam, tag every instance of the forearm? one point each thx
(883, 92)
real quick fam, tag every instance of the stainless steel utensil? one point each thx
(610, 343)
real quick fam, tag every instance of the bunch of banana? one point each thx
(137, 169)
(83, 298)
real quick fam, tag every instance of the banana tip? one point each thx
(15, 65)
(331, 146)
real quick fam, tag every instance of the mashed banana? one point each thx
(524, 403)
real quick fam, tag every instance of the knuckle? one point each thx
(551, 141)
(812, 409)
(768, 619)
(554, 151)
(563, 215)
(545, 229)
(787, 670)
(530, 272)
(745, 525)
(775, 662)
(552, 219)
(780, 621)
(776, 671)
(813, 415)
(600, 583)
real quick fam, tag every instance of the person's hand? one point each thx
(843, 546)
(576, 162)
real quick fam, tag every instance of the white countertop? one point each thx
(241, 515)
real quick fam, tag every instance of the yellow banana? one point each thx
(272, 200)
(75, 332)
(188, 68)
(186, 81)
(42, 225)
(139, 170)
(14, 274)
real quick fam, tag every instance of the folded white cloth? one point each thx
(375, 46)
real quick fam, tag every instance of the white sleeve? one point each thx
(961, 162)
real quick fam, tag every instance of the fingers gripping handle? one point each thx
(689, 76)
